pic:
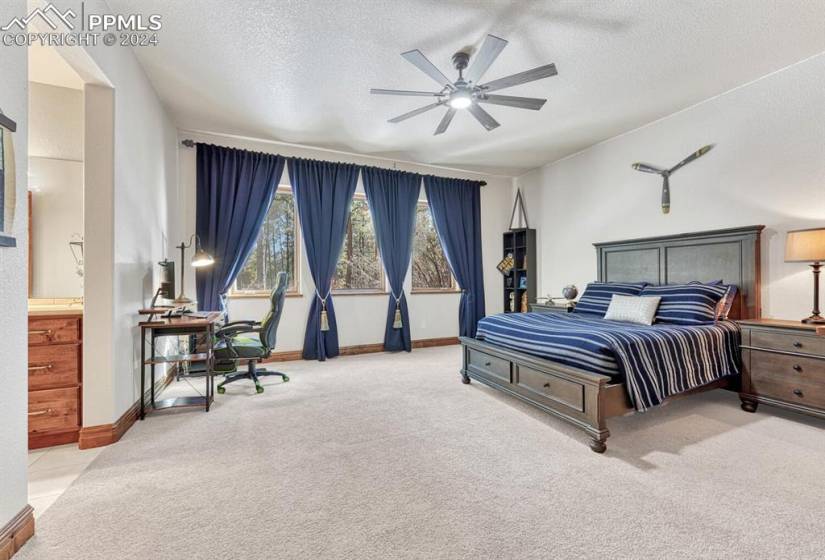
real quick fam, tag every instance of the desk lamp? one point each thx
(200, 259)
(808, 245)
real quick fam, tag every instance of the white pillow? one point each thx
(633, 309)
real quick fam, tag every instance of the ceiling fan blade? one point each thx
(375, 91)
(485, 57)
(422, 63)
(483, 117)
(695, 155)
(532, 103)
(418, 111)
(645, 168)
(445, 122)
(521, 78)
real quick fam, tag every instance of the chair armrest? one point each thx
(231, 330)
(232, 323)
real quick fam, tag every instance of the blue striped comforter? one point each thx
(655, 361)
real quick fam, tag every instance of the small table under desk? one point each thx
(187, 325)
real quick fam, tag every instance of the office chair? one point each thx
(233, 347)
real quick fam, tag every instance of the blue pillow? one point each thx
(687, 304)
(597, 295)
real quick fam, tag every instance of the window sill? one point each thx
(359, 293)
(435, 291)
(260, 295)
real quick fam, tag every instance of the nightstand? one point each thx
(783, 364)
(552, 307)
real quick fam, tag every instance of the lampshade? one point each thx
(202, 258)
(805, 245)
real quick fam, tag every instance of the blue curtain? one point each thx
(323, 194)
(392, 197)
(456, 208)
(234, 190)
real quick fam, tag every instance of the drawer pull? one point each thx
(47, 366)
(487, 364)
(40, 412)
(47, 332)
(797, 367)
(546, 385)
(797, 344)
(797, 392)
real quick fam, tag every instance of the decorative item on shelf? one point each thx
(512, 301)
(570, 292)
(518, 203)
(666, 173)
(808, 245)
(523, 308)
(8, 189)
(508, 281)
(200, 259)
(522, 283)
(506, 264)
(524, 263)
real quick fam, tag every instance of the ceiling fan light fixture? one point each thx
(461, 100)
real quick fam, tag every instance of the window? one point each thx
(430, 271)
(275, 250)
(359, 266)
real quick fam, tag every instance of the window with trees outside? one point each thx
(359, 266)
(275, 250)
(430, 271)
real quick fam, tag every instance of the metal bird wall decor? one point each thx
(666, 173)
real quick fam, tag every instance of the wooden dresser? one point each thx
(55, 377)
(783, 364)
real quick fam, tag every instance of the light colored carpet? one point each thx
(390, 456)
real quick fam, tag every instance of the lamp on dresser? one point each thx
(808, 245)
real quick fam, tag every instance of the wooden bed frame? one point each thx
(586, 399)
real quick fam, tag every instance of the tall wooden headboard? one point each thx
(731, 255)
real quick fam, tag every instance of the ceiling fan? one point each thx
(466, 92)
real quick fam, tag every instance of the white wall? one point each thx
(768, 167)
(56, 181)
(361, 318)
(143, 200)
(13, 288)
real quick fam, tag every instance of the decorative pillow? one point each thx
(632, 309)
(686, 304)
(596, 296)
(726, 303)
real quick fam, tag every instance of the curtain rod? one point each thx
(189, 143)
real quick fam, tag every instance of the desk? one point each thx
(177, 326)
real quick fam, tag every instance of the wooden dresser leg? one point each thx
(748, 405)
(597, 445)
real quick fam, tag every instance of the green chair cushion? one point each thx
(244, 346)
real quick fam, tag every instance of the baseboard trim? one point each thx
(16, 532)
(107, 434)
(292, 355)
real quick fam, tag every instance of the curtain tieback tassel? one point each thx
(324, 317)
(396, 321)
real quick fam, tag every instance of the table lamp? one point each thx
(200, 259)
(808, 245)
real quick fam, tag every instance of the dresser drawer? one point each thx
(54, 366)
(794, 379)
(550, 387)
(54, 410)
(491, 366)
(54, 330)
(790, 342)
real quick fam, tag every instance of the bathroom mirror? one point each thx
(8, 191)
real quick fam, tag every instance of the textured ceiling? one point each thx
(300, 71)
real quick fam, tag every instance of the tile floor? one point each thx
(52, 470)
